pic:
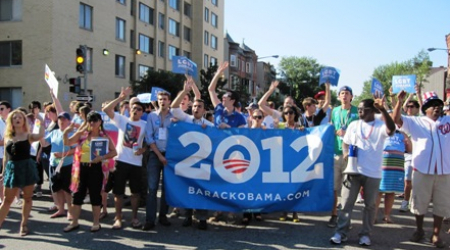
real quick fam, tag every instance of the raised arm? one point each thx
(212, 86)
(57, 103)
(109, 108)
(390, 125)
(327, 98)
(397, 110)
(419, 95)
(186, 89)
(410, 96)
(262, 102)
(40, 124)
(197, 94)
(75, 137)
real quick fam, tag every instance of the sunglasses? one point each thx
(137, 108)
(410, 106)
(289, 112)
(257, 117)
(362, 109)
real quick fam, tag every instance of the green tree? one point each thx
(419, 66)
(167, 80)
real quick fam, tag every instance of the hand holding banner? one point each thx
(330, 75)
(182, 65)
(403, 82)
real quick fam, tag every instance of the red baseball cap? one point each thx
(319, 94)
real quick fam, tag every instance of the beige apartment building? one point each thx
(38, 32)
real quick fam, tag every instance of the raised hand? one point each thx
(401, 96)
(125, 92)
(222, 67)
(274, 85)
(379, 103)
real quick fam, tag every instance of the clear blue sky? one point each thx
(354, 36)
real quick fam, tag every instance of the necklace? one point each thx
(370, 132)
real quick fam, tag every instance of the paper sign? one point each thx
(182, 65)
(154, 94)
(51, 80)
(99, 147)
(404, 82)
(329, 75)
(144, 98)
(377, 88)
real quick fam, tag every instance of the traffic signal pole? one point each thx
(85, 70)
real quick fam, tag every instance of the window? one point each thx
(85, 16)
(206, 15)
(213, 61)
(174, 4)
(145, 44)
(174, 27)
(214, 2)
(132, 7)
(187, 9)
(187, 34)
(10, 53)
(145, 13)
(161, 49)
(143, 70)
(121, 1)
(233, 60)
(205, 61)
(173, 51)
(132, 72)
(10, 10)
(120, 29)
(206, 38)
(187, 54)
(214, 19)
(213, 41)
(132, 40)
(247, 68)
(120, 66)
(161, 20)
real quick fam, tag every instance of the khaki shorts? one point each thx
(339, 167)
(428, 188)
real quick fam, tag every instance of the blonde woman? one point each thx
(19, 170)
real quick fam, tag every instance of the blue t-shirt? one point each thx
(234, 119)
(55, 138)
(395, 142)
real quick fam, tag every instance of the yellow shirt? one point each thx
(86, 152)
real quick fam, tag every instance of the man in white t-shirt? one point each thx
(129, 155)
(368, 134)
(430, 136)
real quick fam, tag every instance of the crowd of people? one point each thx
(400, 150)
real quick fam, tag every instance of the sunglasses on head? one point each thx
(257, 117)
(290, 112)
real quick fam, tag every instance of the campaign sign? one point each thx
(329, 75)
(182, 65)
(145, 98)
(99, 147)
(377, 88)
(154, 94)
(404, 82)
(51, 80)
(250, 170)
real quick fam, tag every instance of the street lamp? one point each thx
(262, 57)
(433, 49)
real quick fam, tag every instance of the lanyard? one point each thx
(370, 132)
(343, 122)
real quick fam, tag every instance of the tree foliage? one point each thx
(419, 66)
(167, 80)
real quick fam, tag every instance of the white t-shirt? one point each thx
(431, 142)
(268, 122)
(182, 116)
(369, 138)
(129, 133)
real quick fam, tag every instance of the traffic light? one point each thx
(81, 59)
(75, 85)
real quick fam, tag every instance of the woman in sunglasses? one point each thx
(19, 170)
(87, 173)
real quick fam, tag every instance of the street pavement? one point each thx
(270, 234)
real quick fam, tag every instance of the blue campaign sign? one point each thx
(154, 94)
(330, 75)
(182, 65)
(404, 82)
(377, 88)
(250, 170)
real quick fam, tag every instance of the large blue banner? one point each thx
(250, 170)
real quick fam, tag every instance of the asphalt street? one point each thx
(310, 233)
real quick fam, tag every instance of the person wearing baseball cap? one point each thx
(341, 117)
(431, 175)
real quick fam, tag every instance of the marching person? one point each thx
(368, 135)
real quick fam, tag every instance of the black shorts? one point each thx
(124, 172)
(65, 176)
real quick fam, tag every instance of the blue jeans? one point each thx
(154, 172)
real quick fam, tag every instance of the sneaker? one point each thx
(360, 199)
(18, 202)
(38, 194)
(404, 207)
(365, 241)
(338, 239)
(175, 213)
(332, 223)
